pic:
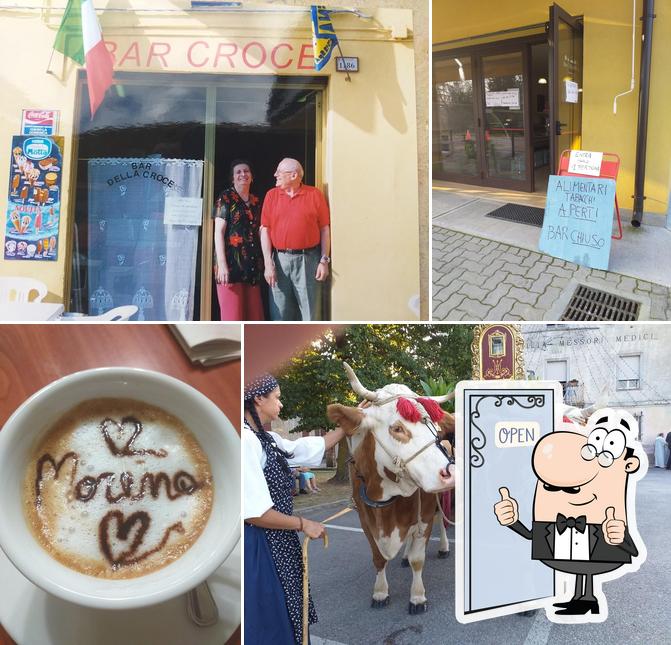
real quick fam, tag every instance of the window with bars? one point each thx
(629, 372)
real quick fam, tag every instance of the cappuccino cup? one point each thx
(119, 488)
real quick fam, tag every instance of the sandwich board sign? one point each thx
(498, 424)
(578, 220)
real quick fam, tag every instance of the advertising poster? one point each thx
(34, 201)
(43, 123)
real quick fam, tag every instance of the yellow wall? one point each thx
(607, 72)
(369, 164)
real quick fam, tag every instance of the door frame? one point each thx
(476, 53)
(211, 82)
(558, 14)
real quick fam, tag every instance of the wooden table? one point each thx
(30, 311)
(31, 356)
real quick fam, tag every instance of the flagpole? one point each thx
(348, 78)
(50, 59)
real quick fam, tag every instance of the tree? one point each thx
(379, 354)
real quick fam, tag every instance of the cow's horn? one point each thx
(356, 385)
(441, 399)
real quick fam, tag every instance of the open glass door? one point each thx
(565, 39)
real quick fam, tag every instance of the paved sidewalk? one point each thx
(642, 253)
(479, 279)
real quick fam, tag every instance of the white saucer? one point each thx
(33, 617)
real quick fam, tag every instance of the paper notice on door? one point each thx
(570, 92)
(183, 211)
(509, 98)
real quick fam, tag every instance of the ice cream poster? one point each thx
(34, 202)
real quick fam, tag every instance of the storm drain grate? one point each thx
(593, 304)
(519, 214)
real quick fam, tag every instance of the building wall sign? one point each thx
(631, 338)
(347, 64)
(209, 54)
(582, 341)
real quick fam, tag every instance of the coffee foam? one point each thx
(114, 498)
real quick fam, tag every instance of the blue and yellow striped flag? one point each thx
(324, 39)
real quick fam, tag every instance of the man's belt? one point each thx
(299, 251)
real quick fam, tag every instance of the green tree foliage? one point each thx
(379, 354)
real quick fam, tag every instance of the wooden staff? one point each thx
(306, 593)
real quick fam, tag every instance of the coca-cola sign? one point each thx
(42, 123)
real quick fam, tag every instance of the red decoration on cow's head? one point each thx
(408, 411)
(435, 411)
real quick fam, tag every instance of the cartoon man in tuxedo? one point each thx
(580, 504)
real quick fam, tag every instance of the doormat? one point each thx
(588, 303)
(519, 214)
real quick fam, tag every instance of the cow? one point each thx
(397, 468)
(446, 426)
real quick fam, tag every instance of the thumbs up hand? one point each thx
(506, 510)
(613, 530)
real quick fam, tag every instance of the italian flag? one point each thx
(79, 37)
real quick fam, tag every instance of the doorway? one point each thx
(504, 111)
(263, 124)
(121, 247)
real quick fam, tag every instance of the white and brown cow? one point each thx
(396, 471)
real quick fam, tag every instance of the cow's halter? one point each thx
(400, 464)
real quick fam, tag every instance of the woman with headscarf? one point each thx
(273, 557)
(238, 258)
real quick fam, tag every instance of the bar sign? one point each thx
(347, 64)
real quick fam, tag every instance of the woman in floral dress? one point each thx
(238, 266)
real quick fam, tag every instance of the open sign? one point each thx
(511, 434)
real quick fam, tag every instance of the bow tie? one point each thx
(578, 523)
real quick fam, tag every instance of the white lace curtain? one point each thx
(133, 257)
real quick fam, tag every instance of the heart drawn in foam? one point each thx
(127, 537)
(129, 430)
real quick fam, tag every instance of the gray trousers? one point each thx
(584, 571)
(297, 295)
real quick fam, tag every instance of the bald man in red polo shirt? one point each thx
(296, 239)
